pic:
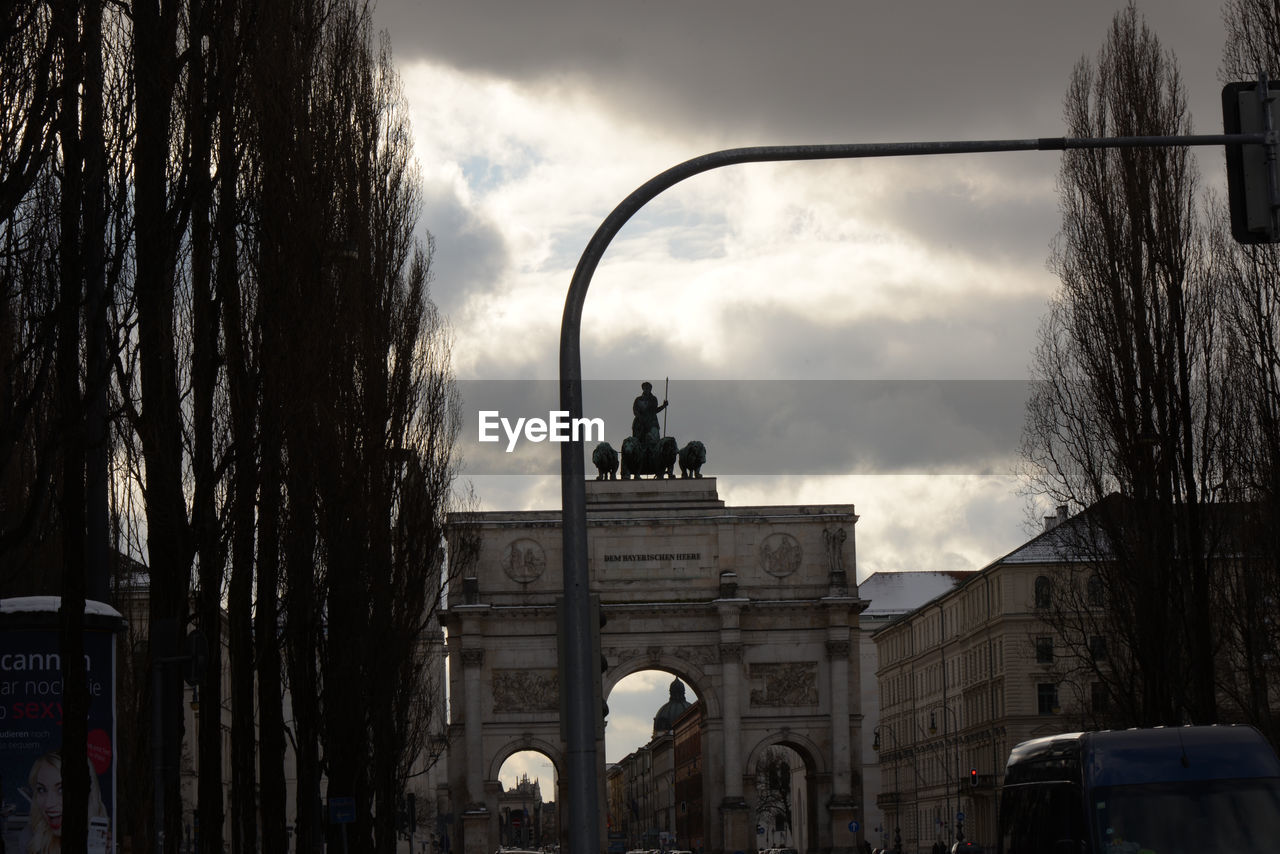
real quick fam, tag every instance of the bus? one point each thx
(1201, 789)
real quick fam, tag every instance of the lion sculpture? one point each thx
(658, 460)
(605, 459)
(692, 458)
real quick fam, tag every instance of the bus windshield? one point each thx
(1239, 816)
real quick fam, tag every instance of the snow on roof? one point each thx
(51, 604)
(901, 592)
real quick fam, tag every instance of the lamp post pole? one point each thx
(582, 767)
(897, 790)
(955, 729)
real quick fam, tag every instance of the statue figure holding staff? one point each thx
(644, 427)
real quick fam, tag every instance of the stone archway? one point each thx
(752, 606)
(493, 783)
(652, 784)
(817, 788)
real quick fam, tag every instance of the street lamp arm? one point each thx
(663, 181)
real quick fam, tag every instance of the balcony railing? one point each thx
(888, 799)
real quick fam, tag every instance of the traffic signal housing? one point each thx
(973, 777)
(1252, 191)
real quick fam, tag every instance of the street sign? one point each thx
(959, 816)
(853, 827)
(759, 830)
(342, 810)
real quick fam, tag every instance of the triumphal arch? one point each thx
(756, 608)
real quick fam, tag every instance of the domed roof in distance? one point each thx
(665, 719)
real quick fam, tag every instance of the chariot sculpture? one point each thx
(646, 451)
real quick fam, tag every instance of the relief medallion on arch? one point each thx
(780, 554)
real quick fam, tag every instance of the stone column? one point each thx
(733, 809)
(731, 661)
(472, 676)
(842, 806)
(841, 767)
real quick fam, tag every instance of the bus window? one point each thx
(1237, 816)
(1042, 818)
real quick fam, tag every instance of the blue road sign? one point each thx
(342, 810)
(853, 827)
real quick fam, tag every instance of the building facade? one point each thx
(892, 596)
(690, 799)
(962, 679)
(520, 815)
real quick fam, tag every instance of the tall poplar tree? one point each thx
(1121, 374)
(1248, 278)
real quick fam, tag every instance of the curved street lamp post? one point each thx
(577, 629)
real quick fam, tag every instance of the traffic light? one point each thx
(973, 777)
(1252, 190)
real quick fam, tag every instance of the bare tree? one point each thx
(1123, 398)
(242, 173)
(773, 788)
(30, 95)
(30, 84)
(392, 423)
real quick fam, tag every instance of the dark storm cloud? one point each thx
(817, 70)
(973, 339)
(1001, 221)
(973, 336)
(938, 422)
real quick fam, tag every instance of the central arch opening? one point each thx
(653, 757)
(527, 804)
(782, 800)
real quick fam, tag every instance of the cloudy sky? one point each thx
(911, 289)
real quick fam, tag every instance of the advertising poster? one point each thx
(31, 814)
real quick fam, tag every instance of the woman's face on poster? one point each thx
(48, 796)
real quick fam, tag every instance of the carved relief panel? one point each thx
(785, 684)
(526, 691)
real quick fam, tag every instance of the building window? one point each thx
(1099, 699)
(1098, 648)
(1096, 596)
(1044, 650)
(1047, 698)
(1043, 591)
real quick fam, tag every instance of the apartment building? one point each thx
(892, 596)
(962, 679)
